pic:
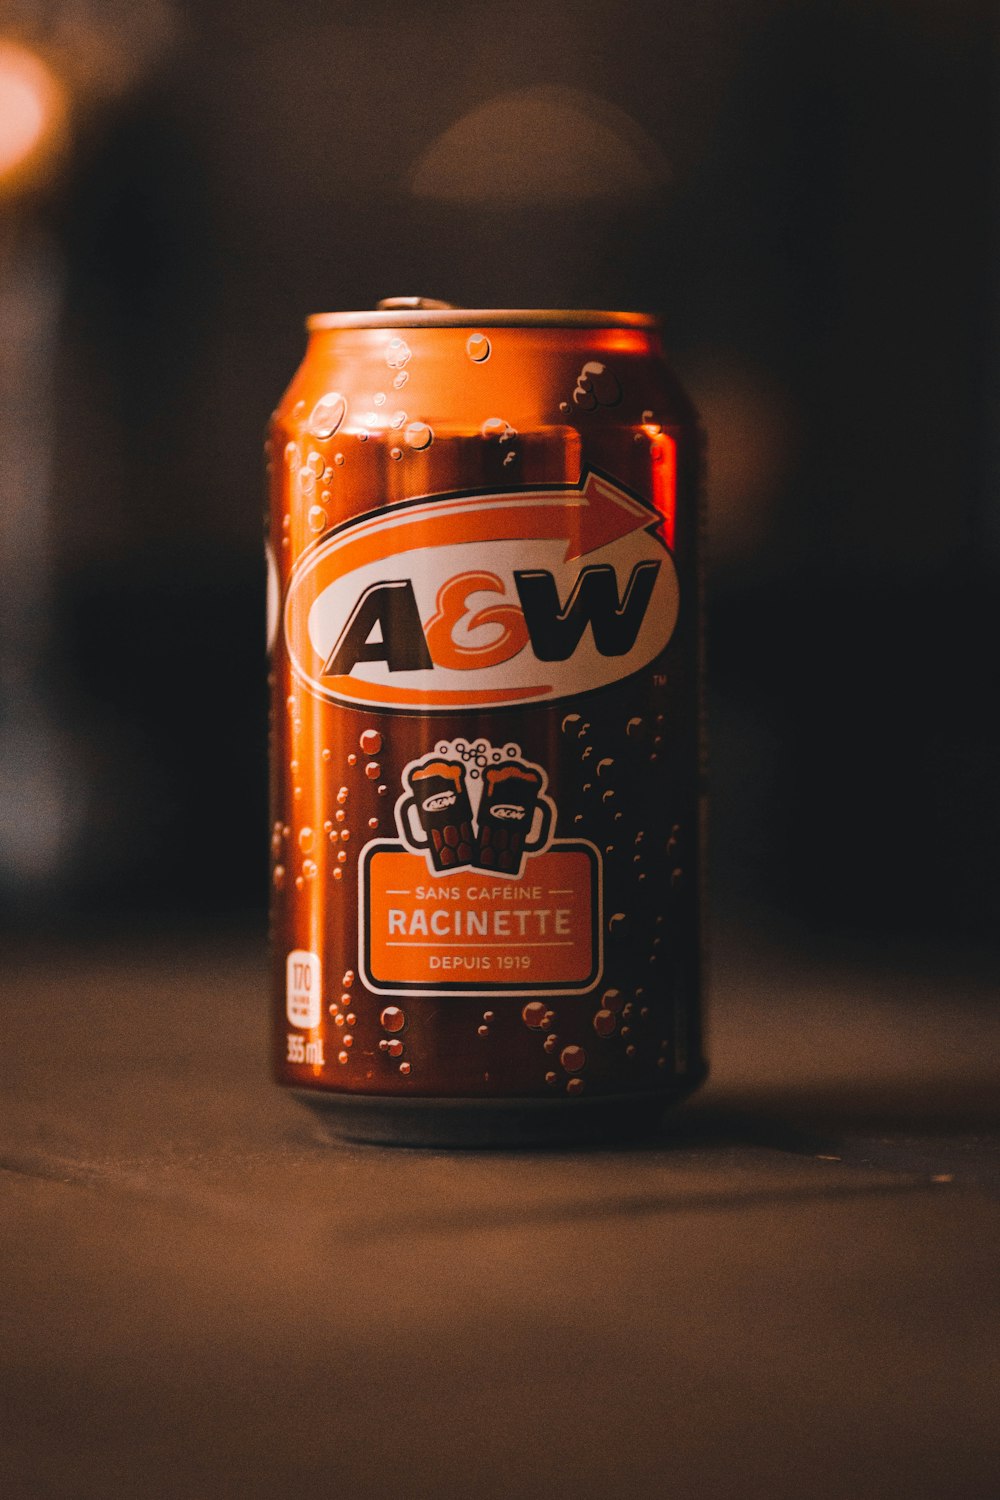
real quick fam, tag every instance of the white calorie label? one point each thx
(303, 988)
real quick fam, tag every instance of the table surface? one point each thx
(791, 1292)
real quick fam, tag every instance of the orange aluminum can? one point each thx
(484, 627)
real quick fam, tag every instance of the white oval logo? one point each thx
(483, 601)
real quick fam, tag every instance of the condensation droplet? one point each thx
(379, 398)
(395, 1048)
(316, 518)
(309, 868)
(398, 353)
(373, 822)
(278, 877)
(397, 420)
(418, 435)
(401, 379)
(496, 427)
(392, 1018)
(327, 415)
(338, 459)
(478, 348)
(404, 1067)
(305, 839)
(395, 453)
(342, 1057)
(370, 741)
(325, 754)
(373, 770)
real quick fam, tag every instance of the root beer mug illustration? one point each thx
(440, 801)
(506, 820)
(487, 770)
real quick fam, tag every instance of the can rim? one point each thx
(482, 317)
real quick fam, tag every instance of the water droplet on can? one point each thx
(394, 1047)
(418, 435)
(327, 415)
(316, 518)
(478, 348)
(309, 869)
(305, 840)
(392, 1018)
(398, 354)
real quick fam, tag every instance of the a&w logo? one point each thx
(483, 600)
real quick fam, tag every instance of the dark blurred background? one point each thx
(805, 191)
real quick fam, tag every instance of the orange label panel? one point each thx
(473, 932)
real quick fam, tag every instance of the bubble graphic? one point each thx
(373, 822)
(509, 458)
(316, 518)
(604, 764)
(327, 415)
(478, 348)
(392, 1018)
(404, 1067)
(278, 877)
(397, 419)
(400, 380)
(551, 1078)
(379, 398)
(568, 720)
(574, 1086)
(533, 1015)
(615, 920)
(604, 1022)
(373, 770)
(573, 1059)
(612, 999)
(398, 354)
(483, 1030)
(418, 435)
(309, 869)
(342, 1057)
(305, 840)
(394, 1048)
(596, 386)
(396, 453)
(307, 481)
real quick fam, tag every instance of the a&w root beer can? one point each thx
(484, 628)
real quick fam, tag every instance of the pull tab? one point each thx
(410, 304)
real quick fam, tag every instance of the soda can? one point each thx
(485, 638)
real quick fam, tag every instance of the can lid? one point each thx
(426, 312)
